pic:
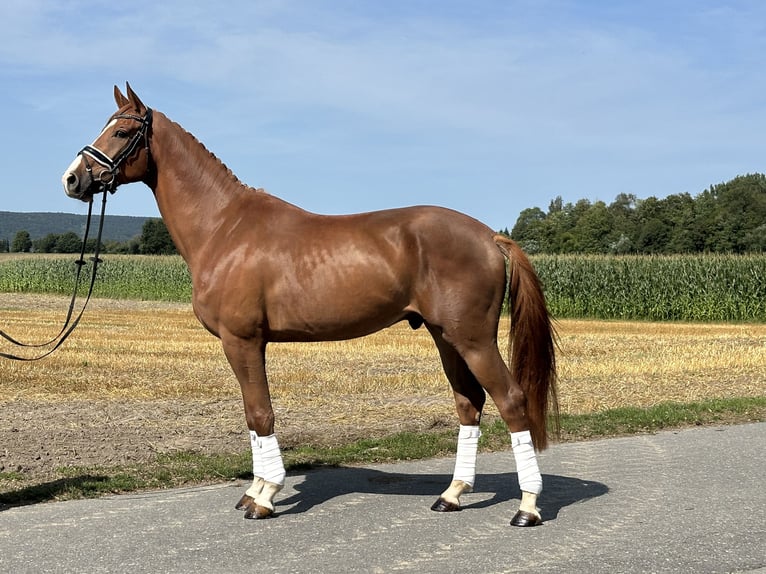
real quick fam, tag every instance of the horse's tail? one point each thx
(531, 347)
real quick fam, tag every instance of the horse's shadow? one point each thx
(319, 487)
(52, 490)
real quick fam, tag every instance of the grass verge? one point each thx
(184, 469)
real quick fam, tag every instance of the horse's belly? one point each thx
(333, 321)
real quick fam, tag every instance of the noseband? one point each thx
(109, 183)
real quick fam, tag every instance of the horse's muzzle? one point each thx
(77, 187)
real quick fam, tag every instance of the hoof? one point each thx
(442, 505)
(256, 512)
(524, 518)
(244, 502)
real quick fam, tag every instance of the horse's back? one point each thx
(405, 236)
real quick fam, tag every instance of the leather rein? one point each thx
(108, 184)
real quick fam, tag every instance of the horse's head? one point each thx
(119, 155)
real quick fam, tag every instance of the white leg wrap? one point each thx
(271, 457)
(267, 461)
(465, 460)
(526, 462)
(255, 445)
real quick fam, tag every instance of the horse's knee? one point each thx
(260, 420)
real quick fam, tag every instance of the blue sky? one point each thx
(487, 107)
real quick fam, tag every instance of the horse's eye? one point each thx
(121, 134)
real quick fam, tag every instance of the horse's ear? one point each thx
(119, 98)
(135, 100)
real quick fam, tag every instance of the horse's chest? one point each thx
(229, 308)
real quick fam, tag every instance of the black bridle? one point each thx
(109, 183)
(105, 184)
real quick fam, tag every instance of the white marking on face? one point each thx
(106, 127)
(72, 166)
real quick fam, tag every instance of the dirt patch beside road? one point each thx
(37, 438)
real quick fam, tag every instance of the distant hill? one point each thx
(116, 227)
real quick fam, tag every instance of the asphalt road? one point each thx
(687, 501)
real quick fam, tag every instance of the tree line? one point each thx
(153, 240)
(725, 218)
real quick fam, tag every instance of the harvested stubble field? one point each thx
(142, 378)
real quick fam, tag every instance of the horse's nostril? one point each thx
(71, 183)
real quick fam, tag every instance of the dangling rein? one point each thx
(69, 324)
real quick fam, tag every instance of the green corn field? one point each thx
(656, 288)
(150, 278)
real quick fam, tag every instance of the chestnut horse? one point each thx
(264, 270)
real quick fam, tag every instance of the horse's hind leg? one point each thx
(469, 400)
(491, 371)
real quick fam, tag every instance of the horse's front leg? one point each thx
(268, 477)
(247, 359)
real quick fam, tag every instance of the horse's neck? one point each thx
(192, 187)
